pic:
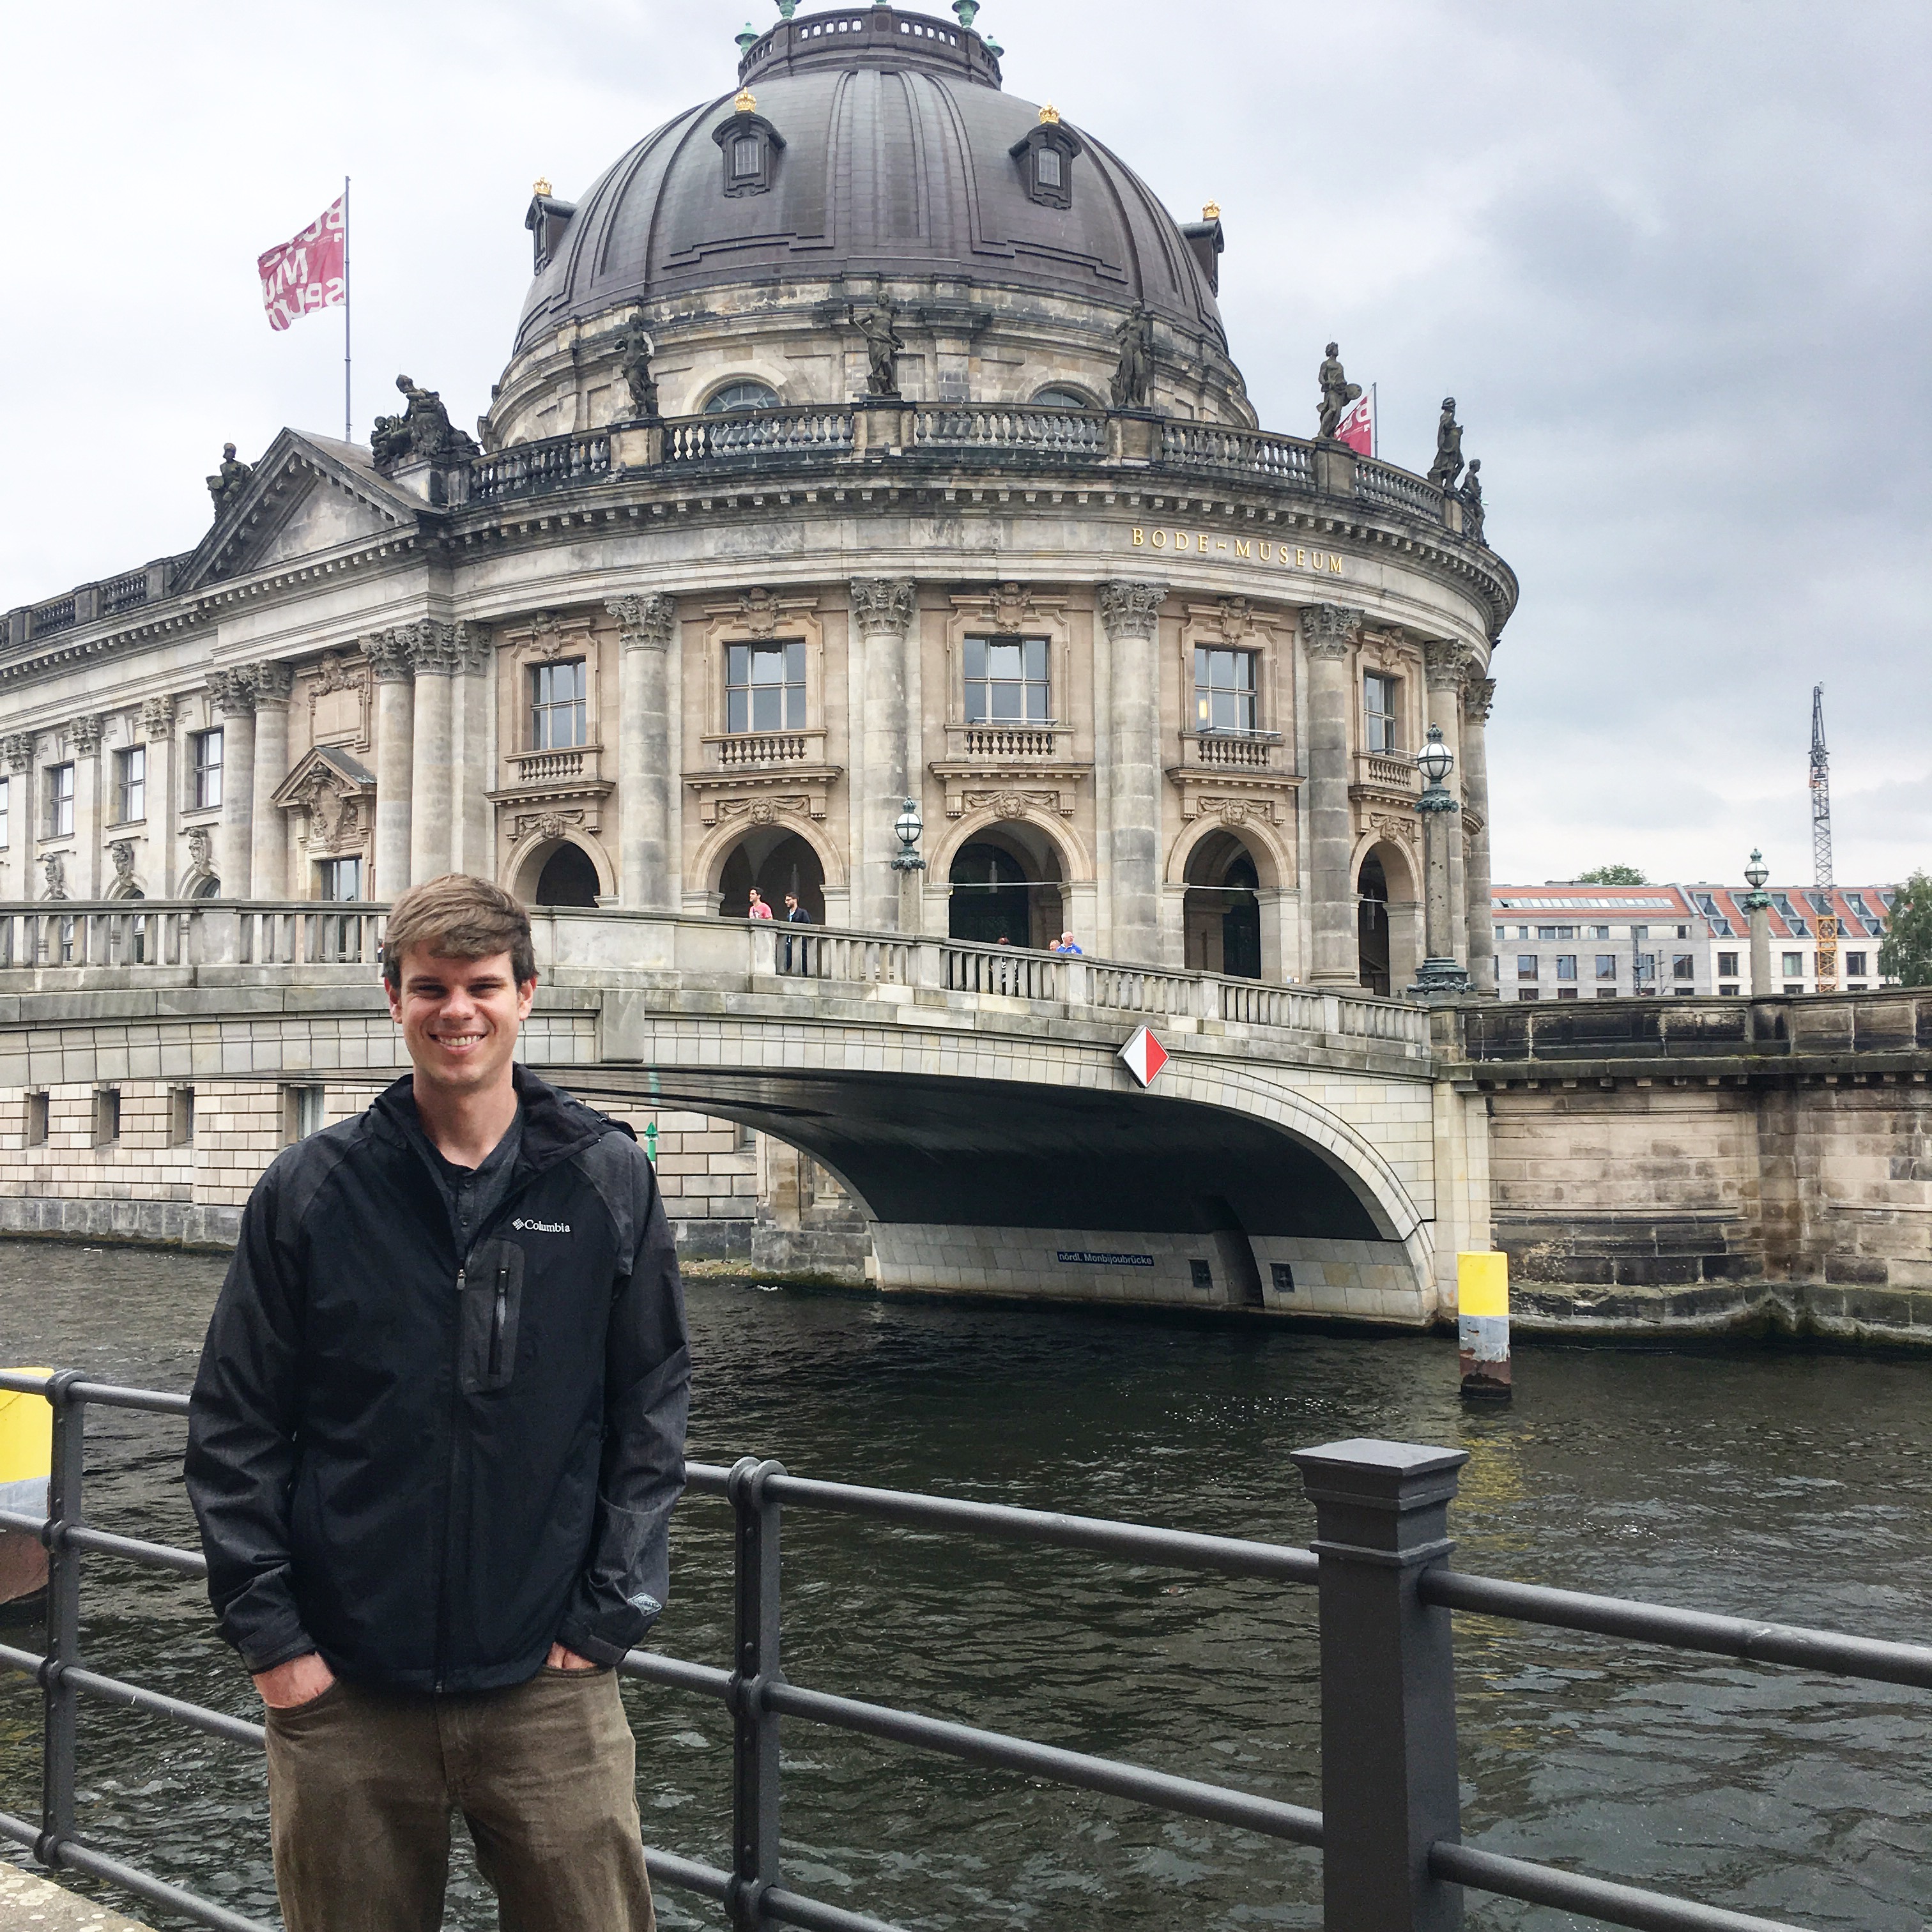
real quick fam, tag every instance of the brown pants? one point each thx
(361, 1784)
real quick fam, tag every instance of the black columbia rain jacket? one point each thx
(428, 1465)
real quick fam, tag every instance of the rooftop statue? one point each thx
(634, 350)
(225, 485)
(1448, 464)
(1470, 495)
(1134, 338)
(420, 434)
(1337, 392)
(882, 344)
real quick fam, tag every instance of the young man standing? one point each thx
(433, 1447)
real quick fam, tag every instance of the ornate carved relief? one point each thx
(645, 622)
(390, 655)
(157, 720)
(84, 732)
(55, 866)
(123, 885)
(233, 692)
(19, 747)
(338, 701)
(1130, 610)
(1328, 630)
(1479, 694)
(883, 603)
(274, 682)
(1443, 662)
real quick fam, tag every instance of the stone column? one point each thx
(273, 684)
(1478, 694)
(234, 699)
(1328, 633)
(18, 747)
(83, 738)
(1444, 663)
(436, 654)
(158, 733)
(390, 664)
(882, 608)
(644, 777)
(1131, 613)
(1758, 906)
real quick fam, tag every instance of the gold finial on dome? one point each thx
(747, 102)
(1212, 212)
(1049, 115)
(540, 186)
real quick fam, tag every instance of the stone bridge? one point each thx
(1302, 1152)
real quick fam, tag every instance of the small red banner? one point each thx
(1356, 427)
(306, 274)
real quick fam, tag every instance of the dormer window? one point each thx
(1046, 159)
(750, 146)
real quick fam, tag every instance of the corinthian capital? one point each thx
(85, 733)
(157, 719)
(644, 623)
(1328, 630)
(1479, 694)
(391, 654)
(19, 749)
(233, 692)
(883, 603)
(1130, 610)
(1443, 662)
(436, 648)
(273, 682)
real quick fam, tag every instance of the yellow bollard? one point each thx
(26, 1460)
(1482, 1325)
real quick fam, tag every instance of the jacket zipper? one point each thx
(449, 1486)
(497, 1319)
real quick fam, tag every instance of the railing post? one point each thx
(755, 1742)
(58, 1748)
(1389, 1787)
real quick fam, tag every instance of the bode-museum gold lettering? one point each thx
(1252, 550)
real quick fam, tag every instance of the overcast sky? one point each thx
(1672, 259)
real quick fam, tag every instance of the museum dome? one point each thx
(869, 142)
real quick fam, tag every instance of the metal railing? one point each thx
(1389, 1827)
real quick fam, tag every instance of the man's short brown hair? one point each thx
(458, 917)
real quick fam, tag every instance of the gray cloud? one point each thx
(1671, 260)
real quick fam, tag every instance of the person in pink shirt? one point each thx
(759, 908)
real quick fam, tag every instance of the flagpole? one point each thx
(348, 410)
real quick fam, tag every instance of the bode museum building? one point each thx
(869, 436)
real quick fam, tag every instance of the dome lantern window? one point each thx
(750, 146)
(1046, 154)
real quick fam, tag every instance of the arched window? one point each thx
(743, 395)
(1058, 396)
(568, 878)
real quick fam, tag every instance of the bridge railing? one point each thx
(47, 939)
(1390, 1826)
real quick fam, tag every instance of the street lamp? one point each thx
(908, 825)
(1438, 976)
(1757, 904)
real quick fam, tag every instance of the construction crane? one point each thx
(1821, 848)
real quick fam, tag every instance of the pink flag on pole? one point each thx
(306, 274)
(1356, 427)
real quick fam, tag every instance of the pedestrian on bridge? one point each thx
(434, 1446)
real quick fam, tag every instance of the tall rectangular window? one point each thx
(302, 1113)
(6, 799)
(745, 158)
(764, 687)
(1643, 971)
(131, 784)
(1607, 965)
(1224, 691)
(1526, 965)
(208, 769)
(1854, 962)
(1683, 965)
(60, 801)
(1006, 682)
(340, 880)
(1727, 966)
(559, 706)
(1378, 713)
(1566, 965)
(1794, 965)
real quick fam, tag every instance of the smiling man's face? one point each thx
(460, 1019)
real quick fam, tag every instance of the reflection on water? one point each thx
(1771, 1484)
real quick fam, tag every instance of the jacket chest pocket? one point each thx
(492, 1293)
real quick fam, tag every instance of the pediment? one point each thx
(325, 769)
(310, 497)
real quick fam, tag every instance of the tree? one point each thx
(1612, 875)
(1906, 955)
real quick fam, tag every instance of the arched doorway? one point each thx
(1388, 920)
(777, 861)
(1221, 915)
(1005, 886)
(568, 878)
(1372, 925)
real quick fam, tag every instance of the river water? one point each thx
(1765, 1483)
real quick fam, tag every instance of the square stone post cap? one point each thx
(1386, 1496)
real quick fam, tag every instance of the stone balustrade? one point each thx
(73, 946)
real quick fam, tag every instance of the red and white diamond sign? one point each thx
(1145, 1057)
